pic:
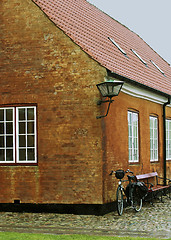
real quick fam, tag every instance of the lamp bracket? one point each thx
(100, 102)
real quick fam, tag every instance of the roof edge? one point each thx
(128, 80)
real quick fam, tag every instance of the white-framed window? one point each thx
(168, 139)
(153, 138)
(18, 143)
(133, 137)
(7, 137)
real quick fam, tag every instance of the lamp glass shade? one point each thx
(110, 88)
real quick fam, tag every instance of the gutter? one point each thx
(128, 80)
(164, 140)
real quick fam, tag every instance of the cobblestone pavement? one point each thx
(151, 221)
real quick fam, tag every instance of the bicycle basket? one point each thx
(119, 174)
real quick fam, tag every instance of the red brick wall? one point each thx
(116, 155)
(40, 64)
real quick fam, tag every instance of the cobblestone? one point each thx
(151, 221)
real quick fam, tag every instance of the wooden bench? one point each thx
(155, 187)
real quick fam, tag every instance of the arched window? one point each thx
(133, 137)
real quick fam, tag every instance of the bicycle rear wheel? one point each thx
(137, 202)
(119, 196)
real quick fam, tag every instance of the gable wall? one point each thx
(41, 65)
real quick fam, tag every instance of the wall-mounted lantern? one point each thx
(109, 89)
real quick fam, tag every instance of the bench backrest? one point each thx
(146, 176)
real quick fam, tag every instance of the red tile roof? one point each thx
(91, 29)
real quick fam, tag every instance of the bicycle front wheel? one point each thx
(119, 196)
(137, 202)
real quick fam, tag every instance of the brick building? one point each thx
(53, 150)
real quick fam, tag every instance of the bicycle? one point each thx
(133, 198)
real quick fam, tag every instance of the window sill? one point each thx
(134, 163)
(18, 164)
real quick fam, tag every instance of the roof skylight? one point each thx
(117, 45)
(157, 67)
(139, 56)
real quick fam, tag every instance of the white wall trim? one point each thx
(144, 94)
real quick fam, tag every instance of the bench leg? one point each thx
(162, 197)
(167, 193)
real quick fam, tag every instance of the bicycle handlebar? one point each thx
(127, 171)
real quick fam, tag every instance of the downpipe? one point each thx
(164, 140)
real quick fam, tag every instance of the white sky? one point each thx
(150, 19)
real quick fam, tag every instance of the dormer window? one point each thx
(157, 67)
(117, 45)
(139, 57)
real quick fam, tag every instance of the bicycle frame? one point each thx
(131, 196)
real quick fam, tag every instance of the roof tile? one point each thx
(90, 28)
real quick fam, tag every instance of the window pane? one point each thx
(2, 142)
(170, 125)
(30, 114)
(30, 141)
(130, 154)
(22, 155)
(22, 141)
(1, 128)
(155, 123)
(9, 155)
(21, 113)
(9, 141)
(135, 131)
(30, 127)
(130, 131)
(31, 154)
(151, 133)
(151, 154)
(129, 118)
(136, 155)
(134, 117)
(130, 142)
(22, 128)
(2, 155)
(1, 114)
(9, 128)
(155, 133)
(9, 114)
(155, 144)
(155, 154)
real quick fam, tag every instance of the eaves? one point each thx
(133, 82)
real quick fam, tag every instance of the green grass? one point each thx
(30, 236)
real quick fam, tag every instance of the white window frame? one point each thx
(16, 136)
(154, 139)
(168, 139)
(5, 135)
(133, 137)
